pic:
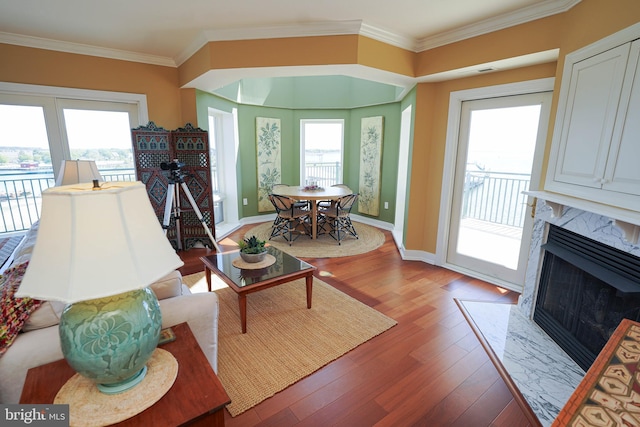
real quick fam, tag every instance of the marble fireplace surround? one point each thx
(602, 228)
(536, 367)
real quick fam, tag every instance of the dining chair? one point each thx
(337, 218)
(290, 219)
(299, 204)
(329, 203)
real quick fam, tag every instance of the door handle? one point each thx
(533, 207)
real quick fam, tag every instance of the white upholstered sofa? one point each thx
(39, 342)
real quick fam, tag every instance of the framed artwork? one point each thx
(371, 132)
(269, 159)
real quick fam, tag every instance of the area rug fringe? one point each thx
(285, 341)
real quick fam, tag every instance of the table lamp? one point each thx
(98, 249)
(75, 171)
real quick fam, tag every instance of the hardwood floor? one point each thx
(428, 370)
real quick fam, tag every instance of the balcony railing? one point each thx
(488, 196)
(21, 196)
(324, 174)
(496, 197)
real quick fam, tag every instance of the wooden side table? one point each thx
(196, 398)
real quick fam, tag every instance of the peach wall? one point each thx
(582, 25)
(536, 36)
(373, 53)
(197, 64)
(50, 68)
(296, 51)
(420, 208)
(189, 108)
(171, 107)
(592, 20)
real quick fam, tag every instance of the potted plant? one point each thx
(252, 249)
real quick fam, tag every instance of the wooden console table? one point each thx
(196, 398)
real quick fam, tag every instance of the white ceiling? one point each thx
(170, 28)
(167, 32)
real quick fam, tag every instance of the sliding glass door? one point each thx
(38, 131)
(491, 224)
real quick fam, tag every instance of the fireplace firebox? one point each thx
(586, 288)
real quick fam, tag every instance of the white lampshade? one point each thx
(77, 171)
(94, 243)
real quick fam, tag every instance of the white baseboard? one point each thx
(372, 222)
(414, 255)
(408, 255)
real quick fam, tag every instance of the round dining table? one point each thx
(313, 196)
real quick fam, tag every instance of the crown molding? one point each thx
(506, 20)
(310, 29)
(520, 16)
(84, 49)
(388, 37)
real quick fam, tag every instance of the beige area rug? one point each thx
(285, 341)
(369, 238)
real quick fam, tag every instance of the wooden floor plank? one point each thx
(428, 370)
(488, 407)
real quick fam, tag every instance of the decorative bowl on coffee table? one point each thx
(253, 258)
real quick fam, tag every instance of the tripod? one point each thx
(172, 203)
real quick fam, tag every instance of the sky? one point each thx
(24, 126)
(319, 136)
(504, 139)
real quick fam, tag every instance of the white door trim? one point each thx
(401, 186)
(455, 107)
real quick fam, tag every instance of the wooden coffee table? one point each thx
(244, 282)
(196, 397)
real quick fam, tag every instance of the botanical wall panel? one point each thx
(269, 159)
(371, 131)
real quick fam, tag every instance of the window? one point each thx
(223, 146)
(40, 126)
(215, 139)
(321, 152)
(100, 131)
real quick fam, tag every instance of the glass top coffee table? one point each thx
(286, 268)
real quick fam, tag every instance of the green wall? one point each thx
(290, 133)
(390, 147)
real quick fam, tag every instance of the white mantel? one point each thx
(617, 228)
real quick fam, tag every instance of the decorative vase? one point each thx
(253, 258)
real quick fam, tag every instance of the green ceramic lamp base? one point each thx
(109, 340)
(125, 385)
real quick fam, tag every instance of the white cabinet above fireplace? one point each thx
(595, 151)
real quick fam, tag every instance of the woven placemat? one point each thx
(89, 407)
(266, 262)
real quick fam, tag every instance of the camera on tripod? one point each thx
(173, 166)
(172, 206)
